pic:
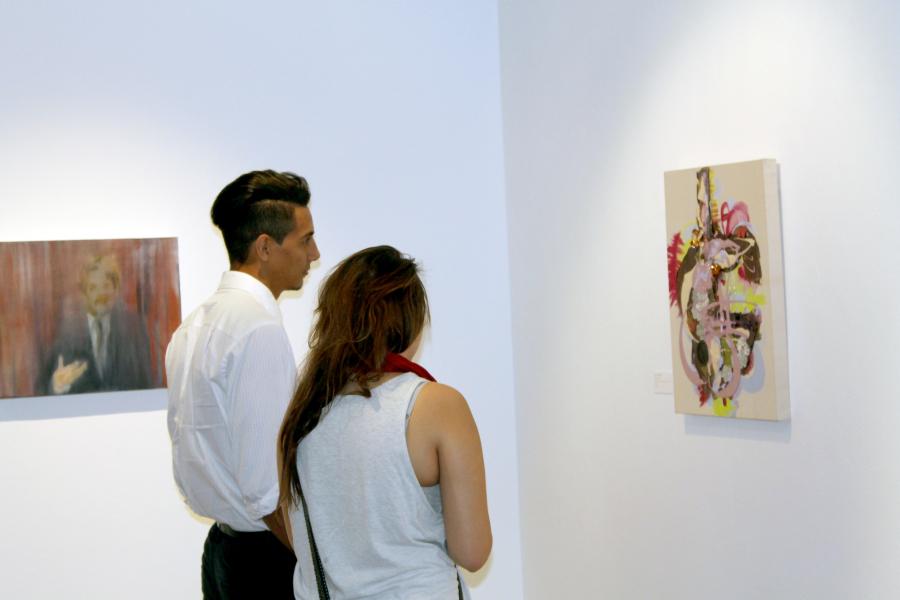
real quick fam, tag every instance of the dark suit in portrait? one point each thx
(125, 354)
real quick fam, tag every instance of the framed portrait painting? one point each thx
(86, 315)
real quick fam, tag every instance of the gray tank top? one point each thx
(380, 534)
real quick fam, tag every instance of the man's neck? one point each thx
(253, 271)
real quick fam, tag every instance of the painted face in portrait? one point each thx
(100, 285)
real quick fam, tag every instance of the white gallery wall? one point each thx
(620, 497)
(123, 120)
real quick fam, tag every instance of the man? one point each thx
(108, 348)
(231, 374)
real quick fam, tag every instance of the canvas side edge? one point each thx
(777, 287)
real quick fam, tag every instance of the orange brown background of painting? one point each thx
(41, 291)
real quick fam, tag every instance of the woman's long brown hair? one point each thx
(372, 303)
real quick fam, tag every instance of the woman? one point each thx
(387, 461)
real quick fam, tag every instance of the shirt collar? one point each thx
(237, 280)
(92, 319)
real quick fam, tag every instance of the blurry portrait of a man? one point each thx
(106, 349)
(87, 316)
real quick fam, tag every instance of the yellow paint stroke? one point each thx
(719, 408)
(747, 299)
(713, 201)
(748, 304)
(756, 299)
(686, 236)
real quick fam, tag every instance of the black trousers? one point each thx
(249, 566)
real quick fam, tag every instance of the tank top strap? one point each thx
(411, 392)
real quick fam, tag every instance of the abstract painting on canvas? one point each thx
(726, 291)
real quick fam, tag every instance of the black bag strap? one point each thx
(317, 560)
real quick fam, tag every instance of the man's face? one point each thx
(100, 292)
(290, 260)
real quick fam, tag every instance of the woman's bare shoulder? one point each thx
(440, 397)
(443, 408)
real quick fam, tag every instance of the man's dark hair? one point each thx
(255, 203)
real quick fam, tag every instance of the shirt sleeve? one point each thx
(262, 382)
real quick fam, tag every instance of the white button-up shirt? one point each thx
(231, 374)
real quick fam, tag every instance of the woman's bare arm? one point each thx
(445, 448)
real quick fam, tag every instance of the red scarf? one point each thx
(394, 363)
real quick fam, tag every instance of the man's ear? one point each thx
(262, 247)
